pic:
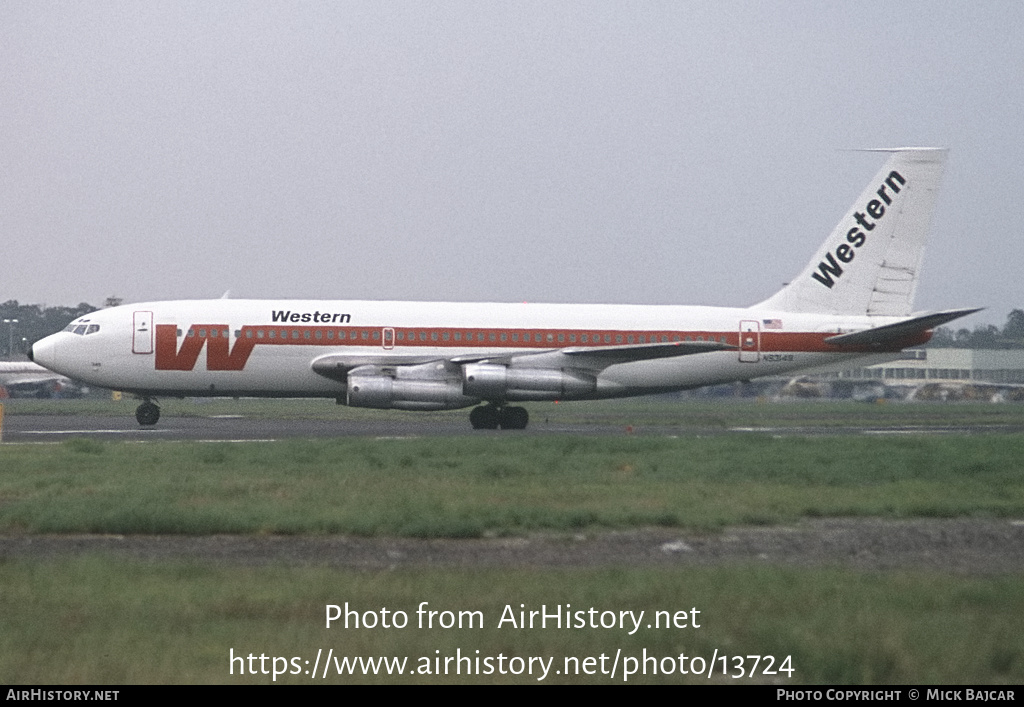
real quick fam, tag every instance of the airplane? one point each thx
(27, 379)
(853, 300)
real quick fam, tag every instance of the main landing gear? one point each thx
(148, 414)
(491, 417)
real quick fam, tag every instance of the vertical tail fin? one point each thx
(871, 261)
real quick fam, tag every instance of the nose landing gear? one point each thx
(148, 414)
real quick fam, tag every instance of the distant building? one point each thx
(921, 374)
(989, 366)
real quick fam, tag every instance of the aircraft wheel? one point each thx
(514, 418)
(484, 417)
(148, 414)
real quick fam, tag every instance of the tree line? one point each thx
(983, 336)
(21, 325)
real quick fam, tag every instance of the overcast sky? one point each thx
(641, 152)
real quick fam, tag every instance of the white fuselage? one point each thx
(270, 347)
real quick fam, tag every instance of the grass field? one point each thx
(471, 486)
(104, 620)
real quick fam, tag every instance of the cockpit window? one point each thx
(82, 329)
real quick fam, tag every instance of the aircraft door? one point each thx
(750, 341)
(388, 338)
(142, 333)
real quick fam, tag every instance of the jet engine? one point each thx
(489, 381)
(405, 388)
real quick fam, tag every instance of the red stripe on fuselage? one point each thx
(223, 355)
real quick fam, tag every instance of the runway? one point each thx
(237, 428)
(46, 428)
(35, 428)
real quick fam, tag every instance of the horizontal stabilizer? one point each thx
(887, 334)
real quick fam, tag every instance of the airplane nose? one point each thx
(44, 352)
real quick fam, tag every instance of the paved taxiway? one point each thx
(54, 428)
(970, 546)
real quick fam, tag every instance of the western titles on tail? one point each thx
(870, 263)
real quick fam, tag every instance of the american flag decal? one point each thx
(772, 323)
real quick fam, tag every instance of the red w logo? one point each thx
(220, 355)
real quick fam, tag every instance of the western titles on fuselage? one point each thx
(285, 315)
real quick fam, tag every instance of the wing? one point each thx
(437, 383)
(590, 359)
